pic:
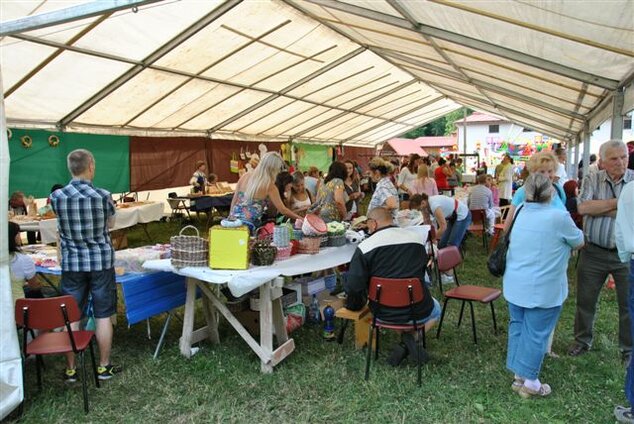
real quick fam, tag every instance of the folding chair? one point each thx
(449, 258)
(49, 314)
(395, 293)
(177, 205)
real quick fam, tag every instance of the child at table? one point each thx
(24, 282)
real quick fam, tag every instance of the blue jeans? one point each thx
(455, 232)
(629, 377)
(529, 329)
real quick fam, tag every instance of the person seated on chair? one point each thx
(391, 252)
(24, 280)
(481, 197)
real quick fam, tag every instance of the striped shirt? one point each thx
(480, 197)
(384, 190)
(599, 230)
(82, 220)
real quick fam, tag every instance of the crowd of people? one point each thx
(549, 217)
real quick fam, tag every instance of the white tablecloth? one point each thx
(124, 218)
(241, 282)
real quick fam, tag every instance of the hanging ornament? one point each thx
(53, 141)
(26, 141)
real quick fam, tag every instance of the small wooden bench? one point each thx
(361, 320)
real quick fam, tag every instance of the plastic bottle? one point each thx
(329, 323)
(314, 313)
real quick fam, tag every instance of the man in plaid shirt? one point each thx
(84, 215)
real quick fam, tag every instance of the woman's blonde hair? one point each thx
(423, 171)
(378, 164)
(541, 160)
(264, 175)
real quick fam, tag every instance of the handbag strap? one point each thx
(514, 218)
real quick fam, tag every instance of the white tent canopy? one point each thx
(352, 72)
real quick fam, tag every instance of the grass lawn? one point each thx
(323, 381)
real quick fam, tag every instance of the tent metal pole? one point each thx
(586, 148)
(69, 14)
(569, 163)
(473, 43)
(577, 146)
(464, 133)
(616, 129)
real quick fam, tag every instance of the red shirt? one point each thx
(440, 177)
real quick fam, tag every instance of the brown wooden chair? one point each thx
(480, 226)
(395, 293)
(448, 259)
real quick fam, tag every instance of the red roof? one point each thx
(407, 146)
(479, 117)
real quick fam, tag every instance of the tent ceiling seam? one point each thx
(470, 42)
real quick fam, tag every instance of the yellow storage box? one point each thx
(228, 247)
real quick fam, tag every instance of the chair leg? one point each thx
(94, 364)
(442, 317)
(419, 377)
(368, 353)
(495, 325)
(473, 324)
(84, 385)
(376, 350)
(424, 338)
(461, 314)
(38, 368)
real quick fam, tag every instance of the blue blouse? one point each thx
(537, 259)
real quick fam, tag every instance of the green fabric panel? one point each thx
(34, 171)
(313, 155)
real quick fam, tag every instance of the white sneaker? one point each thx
(446, 279)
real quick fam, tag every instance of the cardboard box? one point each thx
(311, 285)
(228, 247)
(290, 297)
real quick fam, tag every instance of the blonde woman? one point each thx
(385, 195)
(423, 183)
(255, 187)
(545, 163)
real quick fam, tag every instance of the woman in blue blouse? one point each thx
(535, 281)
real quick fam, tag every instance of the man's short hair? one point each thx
(78, 161)
(380, 214)
(482, 178)
(611, 144)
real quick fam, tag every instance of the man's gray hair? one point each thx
(611, 144)
(78, 161)
(538, 188)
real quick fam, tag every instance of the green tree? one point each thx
(444, 125)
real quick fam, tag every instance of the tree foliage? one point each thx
(444, 125)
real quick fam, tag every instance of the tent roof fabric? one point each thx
(324, 71)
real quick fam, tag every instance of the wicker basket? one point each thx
(309, 245)
(263, 257)
(298, 234)
(283, 253)
(189, 250)
(337, 240)
(324, 240)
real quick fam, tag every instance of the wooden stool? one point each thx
(361, 320)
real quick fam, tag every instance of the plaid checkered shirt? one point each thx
(82, 220)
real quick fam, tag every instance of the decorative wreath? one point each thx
(26, 141)
(53, 141)
(9, 133)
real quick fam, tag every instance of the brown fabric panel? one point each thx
(362, 155)
(162, 162)
(220, 152)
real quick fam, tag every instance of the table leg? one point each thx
(266, 324)
(147, 234)
(188, 319)
(149, 329)
(162, 338)
(212, 320)
(278, 319)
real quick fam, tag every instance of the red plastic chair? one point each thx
(448, 259)
(49, 314)
(394, 293)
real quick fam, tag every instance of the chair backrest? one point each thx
(396, 292)
(46, 314)
(172, 195)
(448, 258)
(174, 203)
(478, 216)
(504, 212)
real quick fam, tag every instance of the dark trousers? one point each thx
(595, 263)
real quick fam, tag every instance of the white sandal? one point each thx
(543, 391)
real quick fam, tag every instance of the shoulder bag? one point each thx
(497, 261)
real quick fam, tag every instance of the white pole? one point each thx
(577, 147)
(586, 148)
(616, 128)
(11, 394)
